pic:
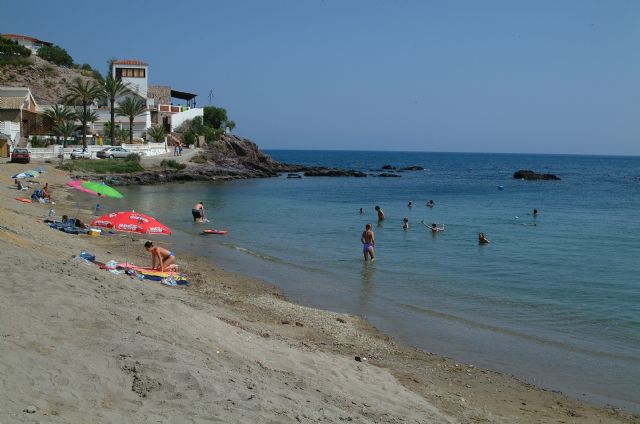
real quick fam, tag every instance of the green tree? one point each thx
(58, 114)
(231, 125)
(56, 54)
(157, 133)
(122, 134)
(9, 47)
(215, 117)
(131, 107)
(83, 93)
(113, 88)
(65, 129)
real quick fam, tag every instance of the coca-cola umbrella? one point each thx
(131, 222)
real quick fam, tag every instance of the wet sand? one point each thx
(79, 344)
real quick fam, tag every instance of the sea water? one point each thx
(554, 299)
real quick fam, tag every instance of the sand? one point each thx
(79, 344)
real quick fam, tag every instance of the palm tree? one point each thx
(58, 114)
(65, 129)
(157, 132)
(83, 93)
(86, 116)
(131, 107)
(112, 89)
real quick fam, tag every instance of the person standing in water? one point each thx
(198, 212)
(405, 224)
(380, 213)
(361, 211)
(368, 243)
(410, 204)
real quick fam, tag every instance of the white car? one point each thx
(80, 154)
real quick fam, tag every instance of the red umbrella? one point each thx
(131, 222)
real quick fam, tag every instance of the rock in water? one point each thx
(524, 174)
(412, 168)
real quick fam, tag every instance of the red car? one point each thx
(20, 155)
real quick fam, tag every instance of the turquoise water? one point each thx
(557, 304)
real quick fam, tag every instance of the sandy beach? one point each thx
(79, 344)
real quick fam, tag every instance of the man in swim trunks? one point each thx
(380, 213)
(198, 212)
(164, 258)
(368, 243)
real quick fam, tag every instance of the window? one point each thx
(133, 72)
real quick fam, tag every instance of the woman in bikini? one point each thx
(165, 259)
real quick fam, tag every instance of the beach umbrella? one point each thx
(77, 184)
(131, 222)
(102, 189)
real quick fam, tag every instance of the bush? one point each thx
(103, 166)
(56, 54)
(171, 163)
(37, 143)
(10, 48)
(133, 157)
(14, 61)
(189, 138)
(199, 158)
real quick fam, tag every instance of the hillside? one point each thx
(46, 80)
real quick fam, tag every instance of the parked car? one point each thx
(20, 155)
(80, 154)
(113, 152)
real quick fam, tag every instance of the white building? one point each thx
(31, 43)
(160, 109)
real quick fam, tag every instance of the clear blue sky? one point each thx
(478, 76)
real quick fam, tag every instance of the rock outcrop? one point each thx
(330, 172)
(524, 174)
(388, 175)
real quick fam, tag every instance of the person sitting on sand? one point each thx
(80, 224)
(405, 223)
(161, 258)
(198, 212)
(368, 243)
(482, 239)
(46, 192)
(380, 213)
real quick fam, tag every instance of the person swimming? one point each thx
(535, 213)
(430, 204)
(405, 223)
(361, 211)
(482, 239)
(410, 204)
(368, 243)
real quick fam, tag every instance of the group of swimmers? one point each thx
(368, 237)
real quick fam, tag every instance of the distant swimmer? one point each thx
(405, 224)
(368, 243)
(535, 213)
(434, 227)
(380, 213)
(198, 212)
(361, 211)
(430, 204)
(482, 239)
(410, 204)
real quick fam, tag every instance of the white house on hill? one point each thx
(31, 43)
